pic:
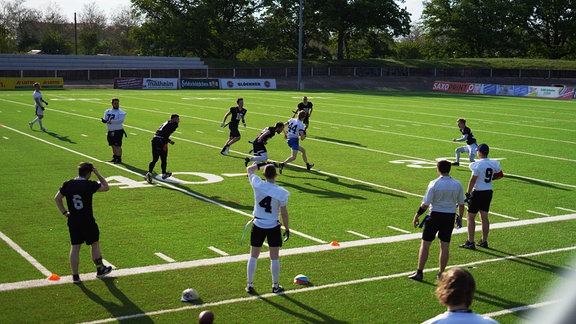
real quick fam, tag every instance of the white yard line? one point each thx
(218, 251)
(164, 257)
(25, 255)
(537, 213)
(337, 284)
(358, 234)
(398, 229)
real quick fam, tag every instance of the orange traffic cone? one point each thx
(54, 277)
(334, 243)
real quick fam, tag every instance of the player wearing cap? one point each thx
(114, 118)
(467, 136)
(160, 143)
(479, 195)
(269, 200)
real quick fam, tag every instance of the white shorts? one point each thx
(39, 111)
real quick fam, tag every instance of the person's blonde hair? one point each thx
(456, 287)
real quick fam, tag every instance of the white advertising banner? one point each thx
(160, 84)
(247, 83)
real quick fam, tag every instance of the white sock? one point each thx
(40, 123)
(275, 270)
(251, 269)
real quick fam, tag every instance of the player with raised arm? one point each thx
(479, 195)
(467, 136)
(237, 114)
(270, 200)
(259, 143)
(81, 223)
(294, 131)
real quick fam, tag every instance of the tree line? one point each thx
(269, 29)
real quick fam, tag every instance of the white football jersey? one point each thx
(484, 169)
(116, 118)
(294, 127)
(268, 198)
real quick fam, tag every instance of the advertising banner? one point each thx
(28, 83)
(160, 84)
(566, 93)
(247, 83)
(128, 83)
(199, 84)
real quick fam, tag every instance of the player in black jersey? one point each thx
(160, 143)
(81, 223)
(238, 114)
(259, 143)
(467, 136)
(306, 106)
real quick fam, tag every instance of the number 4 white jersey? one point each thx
(294, 127)
(268, 197)
(484, 169)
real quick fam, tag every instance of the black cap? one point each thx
(483, 148)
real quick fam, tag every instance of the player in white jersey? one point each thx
(39, 106)
(479, 195)
(114, 118)
(443, 194)
(269, 200)
(294, 132)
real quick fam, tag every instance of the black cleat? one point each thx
(309, 166)
(418, 276)
(468, 245)
(278, 289)
(280, 167)
(103, 271)
(246, 161)
(455, 163)
(483, 244)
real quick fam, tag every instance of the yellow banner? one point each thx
(28, 83)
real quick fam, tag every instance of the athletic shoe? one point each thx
(103, 271)
(76, 279)
(280, 167)
(439, 276)
(224, 152)
(246, 161)
(166, 175)
(455, 163)
(148, 177)
(43, 129)
(483, 244)
(418, 276)
(468, 245)
(30, 124)
(113, 159)
(250, 290)
(309, 166)
(278, 289)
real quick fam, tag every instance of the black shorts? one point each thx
(258, 148)
(84, 233)
(234, 132)
(115, 137)
(480, 200)
(258, 235)
(159, 145)
(441, 223)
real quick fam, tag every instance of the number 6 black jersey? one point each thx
(78, 193)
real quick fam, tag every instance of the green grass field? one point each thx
(374, 154)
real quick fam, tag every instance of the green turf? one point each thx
(374, 152)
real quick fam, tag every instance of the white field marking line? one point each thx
(522, 308)
(358, 234)
(348, 126)
(398, 229)
(25, 255)
(324, 141)
(322, 287)
(537, 213)
(164, 257)
(566, 209)
(285, 252)
(218, 251)
(166, 184)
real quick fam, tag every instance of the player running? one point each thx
(467, 136)
(259, 143)
(296, 132)
(238, 114)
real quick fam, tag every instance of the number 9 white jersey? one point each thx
(484, 169)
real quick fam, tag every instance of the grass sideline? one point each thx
(374, 152)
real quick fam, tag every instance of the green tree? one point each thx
(54, 43)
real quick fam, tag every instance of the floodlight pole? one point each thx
(75, 36)
(299, 86)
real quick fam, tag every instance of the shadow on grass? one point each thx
(334, 140)
(302, 311)
(60, 137)
(126, 306)
(535, 182)
(526, 261)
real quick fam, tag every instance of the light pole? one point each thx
(299, 86)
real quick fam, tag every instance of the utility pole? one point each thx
(299, 86)
(75, 36)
